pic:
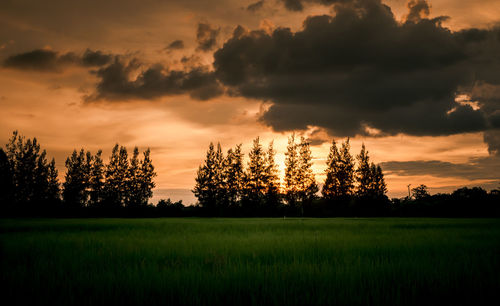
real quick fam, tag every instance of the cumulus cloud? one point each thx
(206, 37)
(53, 61)
(153, 82)
(362, 68)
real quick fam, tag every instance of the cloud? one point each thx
(492, 138)
(418, 9)
(95, 58)
(39, 60)
(255, 6)
(476, 169)
(175, 45)
(52, 61)
(153, 82)
(206, 37)
(298, 5)
(362, 68)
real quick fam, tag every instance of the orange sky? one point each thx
(178, 128)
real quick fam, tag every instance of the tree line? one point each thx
(30, 183)
(226, 185)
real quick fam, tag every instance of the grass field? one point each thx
(250, 261)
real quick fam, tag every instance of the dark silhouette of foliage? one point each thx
(207, 181)
(6, 182)
(255, 179)
(116, 183)
(96, 180)
(306, 178)
(339, 182)
(292, 173)
(235, 177)
(420, 193)
(363, 173)
(34, 180)
(76, 184)
(120, 183)
(29, 186)
(146, 175)
(272, 197)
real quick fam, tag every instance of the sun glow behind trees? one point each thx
(223, 184)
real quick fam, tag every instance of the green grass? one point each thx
(250, 261)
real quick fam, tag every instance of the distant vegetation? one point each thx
(354, 186)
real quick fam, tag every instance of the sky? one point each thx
(418, 82)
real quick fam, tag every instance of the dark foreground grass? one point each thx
(250, 261)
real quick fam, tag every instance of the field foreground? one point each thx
(250, 261)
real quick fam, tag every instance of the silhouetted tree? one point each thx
(115, 186)
(6, 182)
(76, 184)
(272, 196)
(291, 172)
(256, 178)
(378, 187)
(168, 208)
(305, 176)
(420, 193)
(205, 189)
(53, 194)
(221, 201)
(32, 176)
(363, 173)
(339, 182)
(235, 176)
(133, 192)
(96, 180)
(146, 175)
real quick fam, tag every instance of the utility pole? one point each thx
(409, 195)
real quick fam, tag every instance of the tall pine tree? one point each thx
(133, 197)
(96, 180)
(146, 175)
(306, 179)
(339, 182)
(291, 172)
(256, 178)
(235, 176)
(272, 196)
(115, 186)
(363, 173)
(75, 192)
(205, 188)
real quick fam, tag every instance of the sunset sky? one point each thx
(418, 82)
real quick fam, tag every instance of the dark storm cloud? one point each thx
(363, 68)
(476, 169)
(52, 61)
(95, 58)
(175, 45)
(418, 9)
(153, 82)
(492, 138)
(40, 60)
(298, 5)
(206, 37)
(255, 6)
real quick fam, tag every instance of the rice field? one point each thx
(191, 261)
